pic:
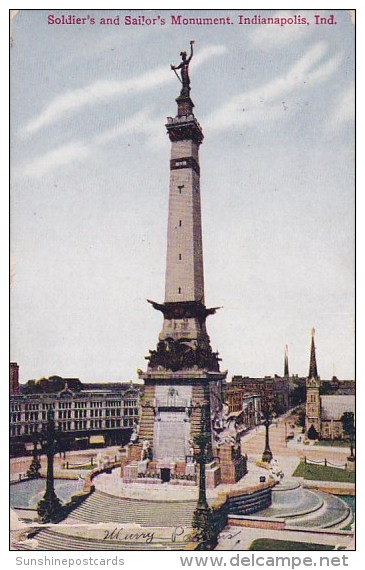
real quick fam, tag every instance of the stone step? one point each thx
(49, 539)
(102, 507)
(333, 512)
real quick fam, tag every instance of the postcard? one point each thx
(182, 284)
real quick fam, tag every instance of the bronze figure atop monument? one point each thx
(184, 66)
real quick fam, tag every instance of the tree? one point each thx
(301, 417)
(298, 395)
(312, 433)
(348, 424)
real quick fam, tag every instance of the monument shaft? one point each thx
(183, 382)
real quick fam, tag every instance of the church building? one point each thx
(324, 412)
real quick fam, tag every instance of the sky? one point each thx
(90, 177)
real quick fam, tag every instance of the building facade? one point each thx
(273, 390)
(249, 405)
(83, 418)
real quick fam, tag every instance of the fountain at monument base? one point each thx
(301, 507)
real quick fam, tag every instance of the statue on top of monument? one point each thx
(184, 66)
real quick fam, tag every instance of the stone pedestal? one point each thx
(232, 464)
(190, 470)
(130, 472)
(213, 475)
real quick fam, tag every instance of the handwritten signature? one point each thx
(120, 533)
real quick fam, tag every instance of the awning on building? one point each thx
(96, 439)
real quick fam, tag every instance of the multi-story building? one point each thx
(100, 415)
(249, 405)
(273, 391)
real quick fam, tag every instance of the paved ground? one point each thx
(253, 444)
(234, 538)
(20, 465)
(289, 453)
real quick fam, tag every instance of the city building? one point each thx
(273, 390)
(324, 412)
(248, 405)
(102, 415)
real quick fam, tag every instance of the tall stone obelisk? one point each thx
(183, 383)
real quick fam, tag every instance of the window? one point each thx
(179, 256)
(179, 290)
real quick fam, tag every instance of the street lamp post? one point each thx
(267, 415)
(35, 466)
(202, 440)
(203, 517)
(49, 507)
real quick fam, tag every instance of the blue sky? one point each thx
(90, 174)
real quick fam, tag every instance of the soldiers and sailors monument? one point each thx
(183, 392)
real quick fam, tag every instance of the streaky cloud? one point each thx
(252, 106)
(102, 91)
(77, 151)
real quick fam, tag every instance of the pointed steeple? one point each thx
(313, 361)
(286, 363)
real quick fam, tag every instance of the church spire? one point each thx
(286, 363)
(313, 361)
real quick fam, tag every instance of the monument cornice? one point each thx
(190, 376)
(184, 127)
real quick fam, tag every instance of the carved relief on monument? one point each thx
(182, 354)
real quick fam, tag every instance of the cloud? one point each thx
(64, 154)
(77, 151)
(102, 91)
(344, 110)
(266, 102)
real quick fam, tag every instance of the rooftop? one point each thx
(333, 407)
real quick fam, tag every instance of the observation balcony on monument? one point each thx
(183, 119)
(190, 374)
(184, 126)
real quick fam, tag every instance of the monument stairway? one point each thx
(102, 507)
(50, 539)
(147, 423)
(198, 395)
